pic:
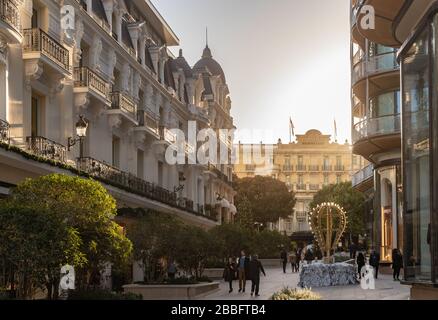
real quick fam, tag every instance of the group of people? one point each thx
(294, 258)
(374, 261)
(245, 268)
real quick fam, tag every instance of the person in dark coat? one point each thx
(353, 250)
(374, 262)
(397, 263)
(255, 268)
(230, 273)
(283, 257)
(243, 269)
(360, 260)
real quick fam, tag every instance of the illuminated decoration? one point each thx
(328, 222)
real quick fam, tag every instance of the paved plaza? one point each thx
(386, 289)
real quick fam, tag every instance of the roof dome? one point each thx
(212, 65)
(181, 62)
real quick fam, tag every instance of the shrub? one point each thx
(295, 294)
(102, 295)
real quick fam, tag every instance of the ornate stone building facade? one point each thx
(305, 166)
(113, 67)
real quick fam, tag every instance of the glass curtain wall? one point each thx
(417, 156)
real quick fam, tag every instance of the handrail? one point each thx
(85, 77)
(376, 126)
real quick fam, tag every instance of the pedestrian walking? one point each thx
(243, 269)
(293, 261)
(360, 260)
(374, 262)
(353, 250)
(255, 268)
(397, 263)
(230, 273)
(171, 270)
(283, 257)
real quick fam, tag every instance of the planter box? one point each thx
(172, 292)
(271, 262)
(214, 273)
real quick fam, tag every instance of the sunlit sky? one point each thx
(282, 58)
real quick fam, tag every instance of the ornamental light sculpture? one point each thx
(328, 222)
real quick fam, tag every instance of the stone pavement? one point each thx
(275, 280)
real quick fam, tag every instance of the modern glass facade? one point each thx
(419, 60)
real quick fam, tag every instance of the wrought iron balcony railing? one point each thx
(314, 187)
(47, 149)
(301, 167)
(376, 127)
(250, 167)
(123, 102)
(363, 175)
(36, 40)
(85, 77)
(314, 168)
(9, 14)
(339, 168)
(4, 131)
(288, 168)
(301, 187)
(111, 175)
(326, 168)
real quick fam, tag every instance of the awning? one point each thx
(224, 203)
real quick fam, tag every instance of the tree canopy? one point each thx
(86, 207)
(263, 200)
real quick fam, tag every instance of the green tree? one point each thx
(86, 206)
(348, 198)
(267, 199)
(231, 239)
(34, 245)
(244, 215)
(154, 236)
(195, 247)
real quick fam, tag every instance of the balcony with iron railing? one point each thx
(314, 187)
(301, 187)
(10, 20)
(339, 167)
(288, 168)
(36, 41)
(301, 167)
(314, 168)
(4, 131)
(129, 182)
(47, 149)
(250, 167)
(84, 77)
(365, 174)
(378, 64)
(122, 102)
(327, 168)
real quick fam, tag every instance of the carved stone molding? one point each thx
(114, 120)
(82, 101)
(3, 50)
(33, 71)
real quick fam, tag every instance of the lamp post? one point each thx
(81, 132)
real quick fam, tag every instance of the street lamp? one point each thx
(81, 132)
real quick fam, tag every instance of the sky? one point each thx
(281, 58)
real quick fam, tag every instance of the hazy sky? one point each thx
(281, 58)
